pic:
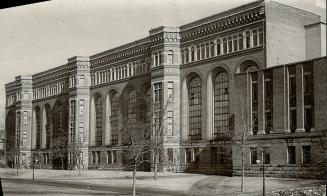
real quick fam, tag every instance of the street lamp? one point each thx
(263, 173)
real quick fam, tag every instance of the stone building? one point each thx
(257, 70)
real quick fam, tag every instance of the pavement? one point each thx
(166, 184)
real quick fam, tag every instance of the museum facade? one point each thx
(245, 84)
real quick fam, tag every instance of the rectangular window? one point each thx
(218, 47)
(230, 45)
(308, 97)
(308, 118)
(247, 40)
(291, 155)
(260, 36)
(198, 52)
(225, 45)
(221, 155)
(98, 157)
(306, 154)
(72, 120)
(170, 92)
(188, 155)
(94, 157)
(266, 155)
(114, 157)
(255, 37)
(183, 56)
(192, 54)
(253, 155)
(240, 42)
(187, 55)
(207, 50)
(202, 51)
(214, 158)
(81, 106)
(196, 155)
(235, 43)
(109, 157)
(212, 49)
(170, 153)
(293, 120)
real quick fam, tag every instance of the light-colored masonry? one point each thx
(257, 71)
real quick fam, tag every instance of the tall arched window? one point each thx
(195, 104)
(221, 100)
(131, 116)
(114, 118)
(98, 116)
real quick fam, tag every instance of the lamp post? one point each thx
(263, 174)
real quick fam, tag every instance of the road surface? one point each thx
(14, 187)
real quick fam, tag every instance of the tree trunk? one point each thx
(62, 163)
(155, 177)
(134, 180)
(79, 169)
(243, 173)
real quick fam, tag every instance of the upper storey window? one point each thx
(218, 47)
(225, 45)
(255, 37)
(260, 36)
(247, 39)
(212, 49)
(192, 54)
(157, 58)
(170, 57)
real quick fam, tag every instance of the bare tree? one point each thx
(59, 149)
(157, 139)
(75, 150)
(137, 139)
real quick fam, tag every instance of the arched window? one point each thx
(114, 118)
(131, 115)
(98, 116)
(195, 104)
(221, 100)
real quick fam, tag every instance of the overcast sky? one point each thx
(40, 36)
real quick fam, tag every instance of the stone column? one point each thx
(34, 130)
(107, 128)
(210, 108)
(92, 122)
(43, 130)
(185, 127)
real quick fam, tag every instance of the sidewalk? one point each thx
(173, 183)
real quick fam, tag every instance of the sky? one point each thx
(40, 36)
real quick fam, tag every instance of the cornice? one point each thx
(231, 22)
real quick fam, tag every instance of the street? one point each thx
(15, 187)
